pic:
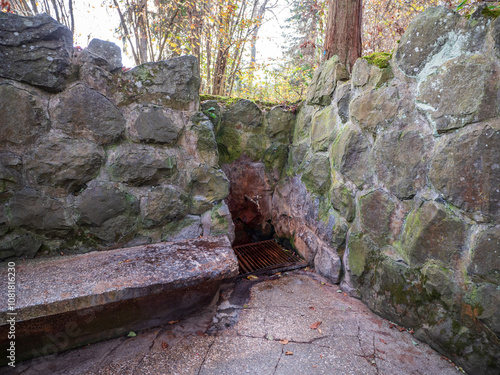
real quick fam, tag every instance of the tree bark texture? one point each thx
(343, 31)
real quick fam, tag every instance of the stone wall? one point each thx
(94, 158)
(397, 172)
(387, 180)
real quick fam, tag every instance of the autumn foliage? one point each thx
(223, 35)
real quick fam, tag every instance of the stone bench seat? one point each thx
(69, 301)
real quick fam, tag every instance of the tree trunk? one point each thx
(258, 15)
(343, 31)
(220, 72)
(142, 38)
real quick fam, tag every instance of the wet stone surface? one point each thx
(260, 326)
(57, 285)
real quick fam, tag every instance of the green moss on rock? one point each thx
(380, 59)
(228, 144)
(275, 158)
(491, 12)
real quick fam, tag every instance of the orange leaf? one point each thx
(315, 325)
(284, 341)
(312, 308)
(164, 345)
(383, 341)
(173, 322)
(288, 353)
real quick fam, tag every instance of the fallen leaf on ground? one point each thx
(383, 341)
(132, 334)
(312, 308)
(128, 260)
(401, 329)
(173, 322)
(246, 306)
(284, 341)
(315, 325)
(315, 365)
(415, 343)
(411, 331)
(164, 345)
(270, 337)
(288, 353)
(252, 277)
(319, 330)
(339, 291)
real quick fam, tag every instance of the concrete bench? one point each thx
(70, 301)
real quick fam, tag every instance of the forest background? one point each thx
(223, 34)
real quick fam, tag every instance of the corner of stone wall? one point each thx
(93, 157)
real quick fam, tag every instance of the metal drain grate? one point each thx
(264, 256)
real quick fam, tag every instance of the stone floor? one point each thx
(268, 325)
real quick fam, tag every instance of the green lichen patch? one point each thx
(380, 59)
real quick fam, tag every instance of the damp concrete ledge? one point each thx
(65, 302)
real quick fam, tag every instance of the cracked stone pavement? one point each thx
(252, 330)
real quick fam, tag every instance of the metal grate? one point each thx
(264, 256)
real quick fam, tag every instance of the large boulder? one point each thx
(317, 174)
(156, 125)
(376, 213)
(19, 245)
(324, 128)
(138, 165)
(189, 227)
(241, 131)
(279, 124)
(23, 115)
(206, 145)
(64, 162)
(485, 262)
(401, 160)
(351, 155)
(462, 91)
(245, 113)
(208, 187)
(105, 54)
(101, 202)
(174, 83)
(433, 233)
(35, 210)
(327, 263)
(325, 81)
(162, 204)
(424, 38)
(83, 112)
(466, 170)
(10, 176)
(375, 110)
(36, 50)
